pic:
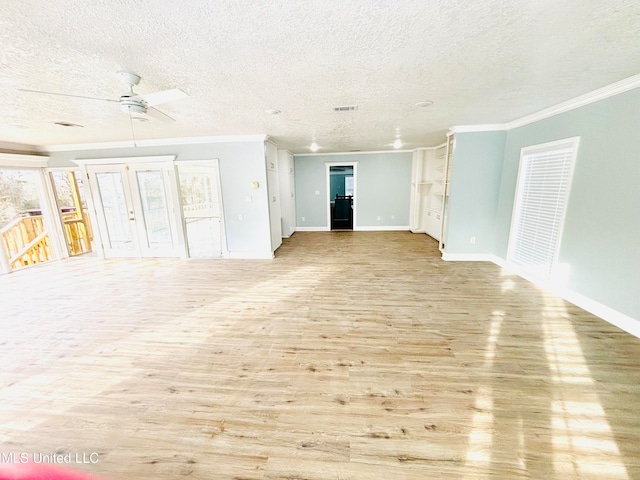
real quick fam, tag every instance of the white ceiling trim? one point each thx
(479, 128)
(157, 142)
(577, 102)
(349, 153)
(591, 97)
(120, 160)
(19, 160)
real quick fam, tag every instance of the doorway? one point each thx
(341, 186)
(201, 209)
(133, 205)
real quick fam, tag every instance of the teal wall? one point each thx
(601, 237)
(310, 177)
(382, 188)
(240, 164)
(476, 172)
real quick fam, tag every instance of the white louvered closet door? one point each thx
(541, 197)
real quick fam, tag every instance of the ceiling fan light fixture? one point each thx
(397, 143)
(132, 107)
(314, 147)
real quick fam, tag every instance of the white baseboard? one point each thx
(468, 257)
(312, 229)
(608, 314)
(614, 317)
(251, 255)
(388, 228)
(382, 228)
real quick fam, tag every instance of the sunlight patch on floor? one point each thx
(480, 438)
(583, 442)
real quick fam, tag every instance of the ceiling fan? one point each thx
(138, 107)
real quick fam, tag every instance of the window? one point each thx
(541, 197)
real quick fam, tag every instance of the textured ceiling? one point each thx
(491, 61)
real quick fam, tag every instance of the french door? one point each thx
(134, 208)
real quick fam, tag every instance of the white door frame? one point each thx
(355, 189)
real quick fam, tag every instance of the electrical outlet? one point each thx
(317, 192)
(379, 217)
(304, 219)
(472, 240)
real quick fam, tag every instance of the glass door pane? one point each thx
(156, 233)
(201, 211)
(23, 233)
(73, 211)
(116, 215)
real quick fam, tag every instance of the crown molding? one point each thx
(577, 102)
(591, 97)
(490, 127)
(20, 160)
(158, 142)
(349, 153)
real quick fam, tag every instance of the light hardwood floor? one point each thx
(352, 355)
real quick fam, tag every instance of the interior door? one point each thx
(134, 209)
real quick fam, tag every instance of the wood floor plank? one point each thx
(351, 355)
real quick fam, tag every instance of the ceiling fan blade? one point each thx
(163, 97)
(68, 95)
(158, 115)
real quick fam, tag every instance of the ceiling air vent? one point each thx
(345, 108)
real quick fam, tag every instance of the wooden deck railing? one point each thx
(26, 241)
(77, 230)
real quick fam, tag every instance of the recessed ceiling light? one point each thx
(272, 111)
(397, 143)
(314, 147)
(67, 124)
(426, 103)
